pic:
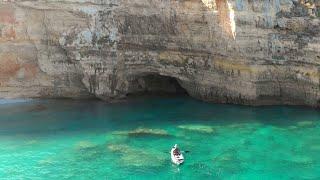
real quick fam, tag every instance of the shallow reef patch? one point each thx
(197, 128)
(143, 132)
(306, 124)
(138, 157)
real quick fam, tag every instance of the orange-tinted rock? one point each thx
(31, 70)
(9, 33)
(7, 15)
(8, 66)
(224, 14)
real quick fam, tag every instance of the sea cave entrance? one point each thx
(155, 84)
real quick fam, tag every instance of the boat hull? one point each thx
(177, 159)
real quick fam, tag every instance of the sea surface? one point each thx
(68, 139)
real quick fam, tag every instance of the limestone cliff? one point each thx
(229, 51)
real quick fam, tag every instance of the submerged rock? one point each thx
(47, 161)
(132, 156)
(244, 127)
(31, 142)
(301, 159)
(90, 152)
(142, 159)
(306, 124)
(118, 148)
(197, 128)
(143, 132)
(84, 145)
(115, 138)
(292, 127)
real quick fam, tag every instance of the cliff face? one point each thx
(229, 51)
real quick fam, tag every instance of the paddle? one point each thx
(184, 151)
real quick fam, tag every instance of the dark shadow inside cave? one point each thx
(154, 84)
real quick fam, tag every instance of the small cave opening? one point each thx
(155, 85)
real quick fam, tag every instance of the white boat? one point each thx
(176, 155)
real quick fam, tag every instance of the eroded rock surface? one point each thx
(236, 51)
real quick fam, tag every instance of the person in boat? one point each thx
(176, 150)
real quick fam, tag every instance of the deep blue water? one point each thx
(65, 139)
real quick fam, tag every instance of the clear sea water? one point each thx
(64, 139)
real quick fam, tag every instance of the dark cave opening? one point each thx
(155, 84)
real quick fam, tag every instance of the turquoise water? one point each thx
(64, 139)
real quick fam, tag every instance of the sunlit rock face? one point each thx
(228, 51)
(225, 12)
